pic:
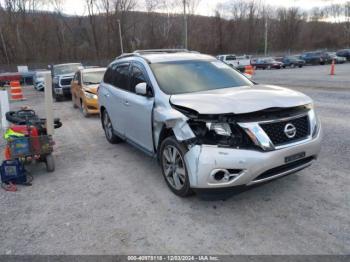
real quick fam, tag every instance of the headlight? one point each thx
(222, 129)
(90, 95)
(315, 123)
(220, 134)
(55, 80)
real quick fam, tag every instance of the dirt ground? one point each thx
(112, 199)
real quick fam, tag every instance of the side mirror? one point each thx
(143, 89)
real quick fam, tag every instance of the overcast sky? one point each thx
(207, 7)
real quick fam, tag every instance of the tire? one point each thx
(172, 161)
(84, 109)
(50, 163)
(108, 128)
(74, 100)
(58, 98)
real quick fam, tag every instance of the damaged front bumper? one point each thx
(206, 164)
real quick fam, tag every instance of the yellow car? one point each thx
(84, 90)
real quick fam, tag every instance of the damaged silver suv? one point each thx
(209, 126)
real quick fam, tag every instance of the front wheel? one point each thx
(108, 128)
(174, 167)
(84, 109)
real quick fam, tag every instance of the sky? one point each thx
(206, 7)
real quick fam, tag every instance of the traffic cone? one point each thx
(249, 71)
(333, 68)
(16, 91)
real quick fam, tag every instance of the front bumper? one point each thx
(202, 161)
(62, 90)
(92, 106)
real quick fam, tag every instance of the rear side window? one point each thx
(108, 77)
(230, 58)
(137, 76)
(118, 76)
(121, 76)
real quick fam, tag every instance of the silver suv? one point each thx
(208, 125)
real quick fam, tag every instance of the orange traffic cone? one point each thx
(249, 70)
(16, 91)
(333, 68)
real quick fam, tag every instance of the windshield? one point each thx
(65, 69)
(182, 77)
(292, 58)
(270, 60)
(93, 78)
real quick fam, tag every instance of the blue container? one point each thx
(13, 171)
(20, 147)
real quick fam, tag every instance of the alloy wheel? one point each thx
(174, 167)
(107, 125)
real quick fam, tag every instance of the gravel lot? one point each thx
(308, 76)
(112, 199)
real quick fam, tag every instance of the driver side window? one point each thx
(137, 76)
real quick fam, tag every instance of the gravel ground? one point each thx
(112, 199)
(308, 76)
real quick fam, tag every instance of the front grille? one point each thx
(285, 168)
(66, 81)
(276, 133)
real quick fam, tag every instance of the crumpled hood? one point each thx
(240, 100)
(91, 89)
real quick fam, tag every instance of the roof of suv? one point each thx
(160, 56)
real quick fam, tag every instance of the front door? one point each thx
(139, 110)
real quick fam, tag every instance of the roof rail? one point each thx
(150, 51)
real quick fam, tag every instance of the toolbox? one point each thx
(13, 171)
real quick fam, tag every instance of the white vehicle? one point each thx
(39, 79)
(238, 62)
(209, 126)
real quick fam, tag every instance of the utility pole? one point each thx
(4, 46)
(266, 35)
(120, 37)
(185, 26)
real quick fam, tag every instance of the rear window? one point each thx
(182, 77)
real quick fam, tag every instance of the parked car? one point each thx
(292, 62)
(344, 53)
(337, 59)
(210, 127)
(84, 90)
(238, 62)
(62, 76)
(39, 79)
(316, 58)
(266, 63)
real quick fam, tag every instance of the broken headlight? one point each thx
(221, 134)
(222, 129)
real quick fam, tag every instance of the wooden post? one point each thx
(49, 104)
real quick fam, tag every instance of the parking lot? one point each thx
(109, 199)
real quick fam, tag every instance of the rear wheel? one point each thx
(50, 163)
(108, 128)
(174, 168)
(74, 100)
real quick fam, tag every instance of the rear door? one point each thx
(139, 110)
(115, 96)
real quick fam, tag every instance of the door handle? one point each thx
(126, 102)
(106, 95)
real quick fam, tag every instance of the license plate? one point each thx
(295, 157)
